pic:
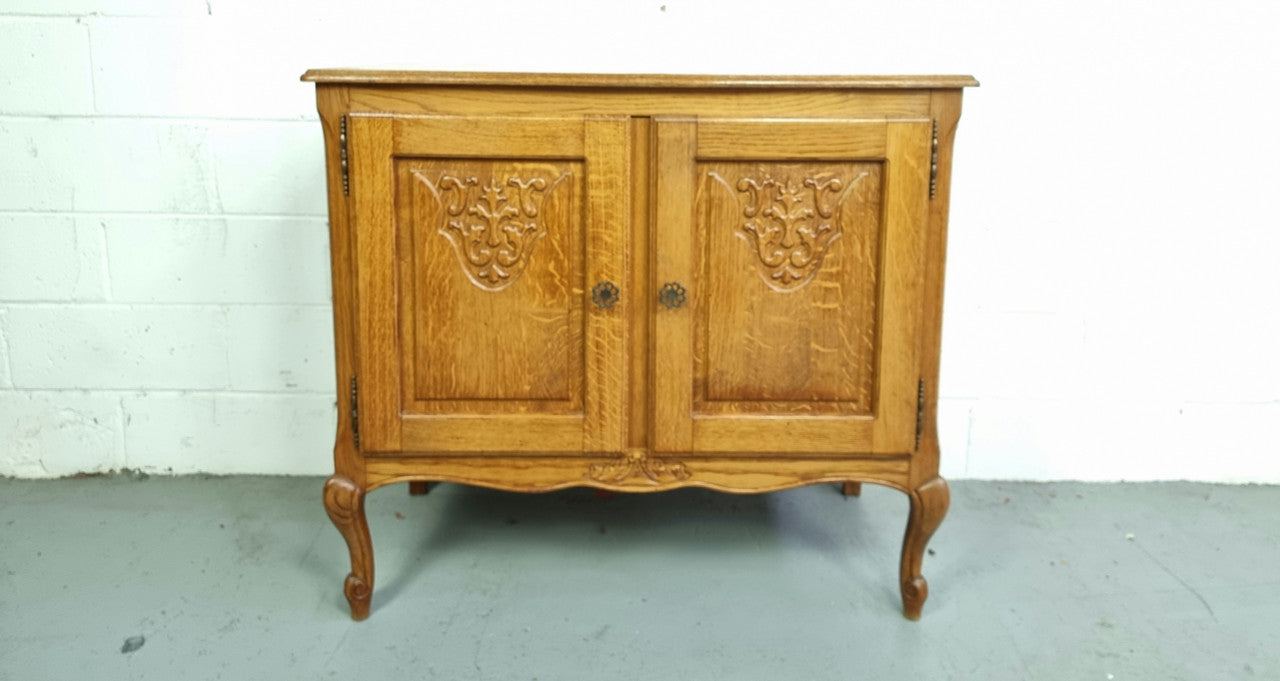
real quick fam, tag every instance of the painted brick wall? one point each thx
(164, 290)
(1113, 300)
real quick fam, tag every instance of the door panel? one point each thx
(791, 254)
(804, 242)
(488, 241)
(479, 240)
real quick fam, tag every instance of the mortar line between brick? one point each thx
(124, 423)
(127, 305)
(93, 76)
(170, 392)
(1218, 403)
(4, 350)
(80, 16)
(27, 16)
(153, 118)
(105, 261)
(4, 212)
(226, 348)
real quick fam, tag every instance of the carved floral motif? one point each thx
(492, 225)
(788, 225)
(639, 467)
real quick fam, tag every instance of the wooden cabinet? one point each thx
(636, 283)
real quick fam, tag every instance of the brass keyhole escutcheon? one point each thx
(605, 294)
(672, 295)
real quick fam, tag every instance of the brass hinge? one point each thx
(342, 155)
(355, 413)
(933, 163)
(919, 412)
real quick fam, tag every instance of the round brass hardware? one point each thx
(605, 294)
(671, 295)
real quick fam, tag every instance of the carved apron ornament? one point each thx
(492, 226)
(788, 226)
(635, 467)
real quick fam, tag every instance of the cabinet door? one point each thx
(478, 242)
(798, 244)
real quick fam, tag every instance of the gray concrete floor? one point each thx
(239, 578)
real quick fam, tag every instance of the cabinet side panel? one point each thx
(946, 107)
(371, 144)
(332, 104)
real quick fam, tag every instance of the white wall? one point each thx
(1112, 295)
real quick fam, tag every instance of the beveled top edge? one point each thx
(629, 80)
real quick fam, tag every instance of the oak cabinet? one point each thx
(636, 283)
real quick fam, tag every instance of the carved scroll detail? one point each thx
(493, 225)
(789, 226)
(344, 501)
(636, 466)
(929, 504)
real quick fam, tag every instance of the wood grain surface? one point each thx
(484, 268)
(523, 472)
(803, 282)
(406, 100)
(788, 320)
(483, 241)
(344, 502)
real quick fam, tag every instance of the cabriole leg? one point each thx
(345, 503)
(928, 506)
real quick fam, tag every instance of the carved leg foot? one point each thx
(345, 503)
(418, 488)
(928, 506)
(852, 489)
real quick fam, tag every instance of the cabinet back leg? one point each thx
(929, 504)
(852, 489)
(418, 488)
(344, 501)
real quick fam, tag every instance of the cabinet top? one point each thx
(632, 80)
